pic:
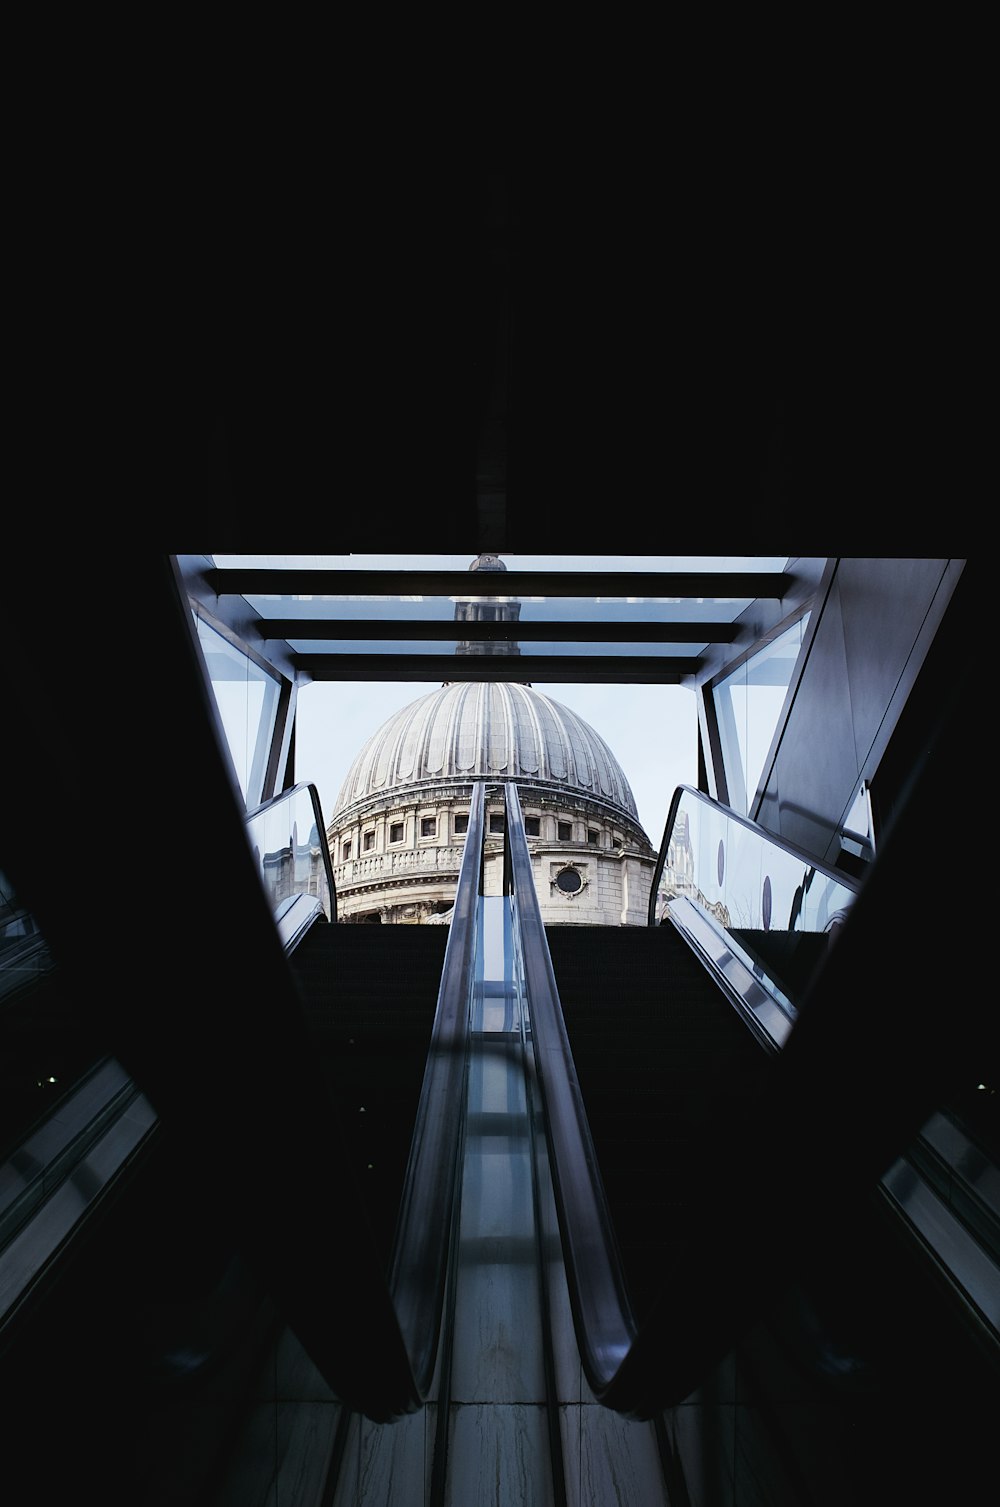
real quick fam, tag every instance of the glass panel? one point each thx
(528, 650)
(858, 836)
(247, 698)
(748, 705)
(779, 910)
(289, 844)
(534, 611)
(561, 562)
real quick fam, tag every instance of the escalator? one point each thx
(507, 1379)
(767, 1256)
(508, 1406)
(672, 1069)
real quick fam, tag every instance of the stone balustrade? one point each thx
(373, 868)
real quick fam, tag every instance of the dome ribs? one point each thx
(483, 730)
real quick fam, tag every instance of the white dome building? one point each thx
(399, 822)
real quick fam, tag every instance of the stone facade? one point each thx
(400, 863)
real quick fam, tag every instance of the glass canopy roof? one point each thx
(334, 612)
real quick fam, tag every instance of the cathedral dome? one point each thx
(491, 731)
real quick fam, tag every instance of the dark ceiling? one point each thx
(463, 351)
(471, 357)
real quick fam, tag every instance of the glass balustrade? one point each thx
(289, 845)
(775, 907)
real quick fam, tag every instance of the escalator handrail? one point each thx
(604, 1321)
(420, 1261)
(630, 1367)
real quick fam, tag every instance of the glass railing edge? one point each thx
(603, 1318)
(767, 1010)
(426, 1226)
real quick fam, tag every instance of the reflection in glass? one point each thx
(289, 845)
(247, 698)
(748, 705)
(779, 910)
(525, 649)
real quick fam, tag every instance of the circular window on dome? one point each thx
(569, 881)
